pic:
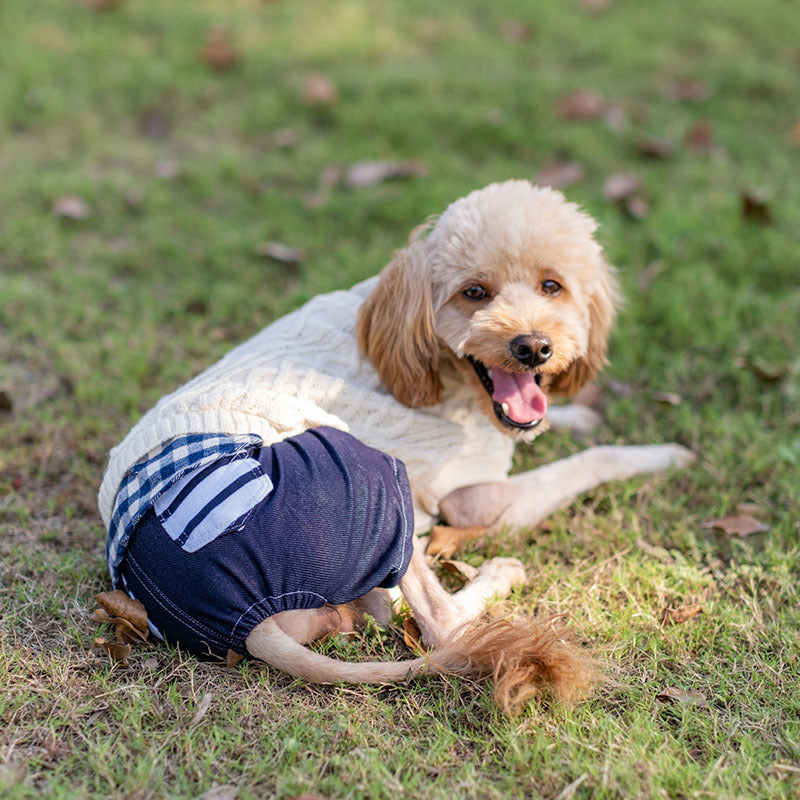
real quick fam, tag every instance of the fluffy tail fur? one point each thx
(524, 657)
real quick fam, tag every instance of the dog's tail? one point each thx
(523, 656)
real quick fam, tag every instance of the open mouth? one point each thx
(519, 401)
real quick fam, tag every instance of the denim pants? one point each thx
(318, 518)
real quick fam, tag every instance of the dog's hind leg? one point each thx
(524, 500)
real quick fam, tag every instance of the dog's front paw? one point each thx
(503, 573)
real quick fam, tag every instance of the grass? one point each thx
(99, 317)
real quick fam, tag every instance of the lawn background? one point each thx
(184, 169)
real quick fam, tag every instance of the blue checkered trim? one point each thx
(148, 478)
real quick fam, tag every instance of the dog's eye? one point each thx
(475, 293)
(551, 287)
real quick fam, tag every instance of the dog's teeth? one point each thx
(504, 406)
(489, 373)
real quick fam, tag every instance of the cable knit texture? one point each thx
(306, 370)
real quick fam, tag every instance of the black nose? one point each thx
(531, 349)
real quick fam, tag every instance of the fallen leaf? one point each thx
(202, 709)
(583, 104)
(128, 616)
(117, 652)
(755, 206)
(689, 696)
(636, 207)
(219, 793)
(155, 122)
(668, 398)
(71, 207)
(560, 175)
(319, 90)
(412, 635)
(167, 169)
(444, 541)
(219, 51)
(517, 31)
(652, 147)
(677, 616)
(769, 373)
(368, 173)
(280, 252)
(101, 5)
(737, 525)
(692, 90)
(620, 187)
(700, 136)
(620, 388)
(6, 403)
(460, 568)
(119, 604)
(232, 659)
(150, 663)
(284, 138)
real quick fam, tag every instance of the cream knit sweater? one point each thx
(305, 370)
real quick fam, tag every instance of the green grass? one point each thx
(100, 317)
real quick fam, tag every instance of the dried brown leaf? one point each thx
(117, 652)
(636, 207)
(319, 90)
(754, 206)
(583, 104)
(227, 792)
(460, 568)
(202, 709)
(794, 134)
(219, 51)
(681, 614)
(621, 187)
(120, 605)
(232, 659)
(769, 373)
(700, 136)
(620, 388)
(668, 398)
(368, 173)
(517, 31)
(71, 207)
(560, 175)
(444, 541)
(749, 508)
(652, 147)
(412, 635)
(280, 252)
(692, 90)
(737, 525)
(101, 5)
(671, 694)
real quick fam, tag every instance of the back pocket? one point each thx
(210, 501)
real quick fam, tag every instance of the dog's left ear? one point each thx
(603, 304)
(396, 328)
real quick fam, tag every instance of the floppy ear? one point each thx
(396, 329)
(602, 311)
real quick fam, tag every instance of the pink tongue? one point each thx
(526, 401)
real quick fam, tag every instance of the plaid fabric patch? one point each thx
(148, 478)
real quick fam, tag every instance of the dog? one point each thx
(444, 361)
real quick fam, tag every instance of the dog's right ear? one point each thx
(396, 328)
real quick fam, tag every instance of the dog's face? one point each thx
(510, 285)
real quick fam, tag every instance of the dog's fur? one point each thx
(509, 281)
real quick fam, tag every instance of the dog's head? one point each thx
(510, 284)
